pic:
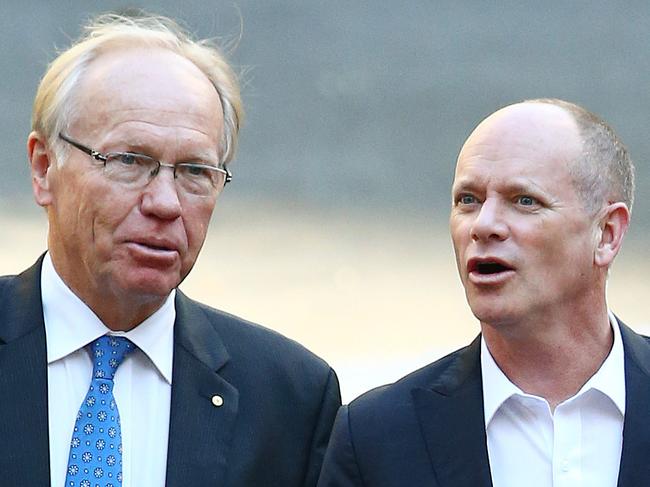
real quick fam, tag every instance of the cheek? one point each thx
(562, 254)
(109, 209)
(82, 207)
(460, 241)
(196, 227)
(459, 238)
(106, 216)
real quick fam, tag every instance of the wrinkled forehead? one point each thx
(146, 78)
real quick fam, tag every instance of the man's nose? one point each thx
(160, 196)
(490, 223)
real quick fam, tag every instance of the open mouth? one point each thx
(487, 267)
(156, 247)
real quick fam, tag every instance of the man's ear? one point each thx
(41, 160)
(613, 225)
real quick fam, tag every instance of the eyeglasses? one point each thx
(137, 170)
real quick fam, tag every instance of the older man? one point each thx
(109, 375)
(554, 392)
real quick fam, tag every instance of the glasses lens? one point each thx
(199, 179)
(130, 169)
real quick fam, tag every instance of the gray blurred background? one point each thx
(365, 104)
(355, 114)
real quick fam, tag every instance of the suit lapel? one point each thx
(635, 468)
(200, 431)
(24, 444)
(450, 412)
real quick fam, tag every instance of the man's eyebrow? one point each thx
(146, 149)
(132, 146)
(524, 186)
(464, 185)
(516, 186)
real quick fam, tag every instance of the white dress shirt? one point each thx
(577, 445)
(142, 382)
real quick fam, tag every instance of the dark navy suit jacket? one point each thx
(428, 429)
(279, 400)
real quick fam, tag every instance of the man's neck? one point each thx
(117, 312)
(556, 360)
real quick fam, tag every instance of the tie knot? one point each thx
(108, 353)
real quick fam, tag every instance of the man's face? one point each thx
(524, 243)
(133, 245)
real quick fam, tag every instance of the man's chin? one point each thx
(148, 286)
(492, 313)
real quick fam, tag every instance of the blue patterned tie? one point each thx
(96, 447)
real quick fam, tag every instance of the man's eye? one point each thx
(466, 199)
(128, 159)
(196, 170)
(526, 200)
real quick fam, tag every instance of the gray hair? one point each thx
(605, 172)
(55, 104)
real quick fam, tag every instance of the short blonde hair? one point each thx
(55, 105)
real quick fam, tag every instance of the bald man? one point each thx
(554, 391)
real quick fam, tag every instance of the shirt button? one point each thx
(217, 400)
(565, 465)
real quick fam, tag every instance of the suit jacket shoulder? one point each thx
(276, 403)
(20, 303)
(425, 429)
(384, 405)
(24, 447)
(635, 469)
(258, 344)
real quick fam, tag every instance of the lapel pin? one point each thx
(217, 400)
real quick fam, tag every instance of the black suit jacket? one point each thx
(279, 400)
(428, 429)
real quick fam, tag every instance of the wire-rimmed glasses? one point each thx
(135, 170)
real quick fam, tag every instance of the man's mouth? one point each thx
(154, 250)
(155, 247)
(161, 244)
(488, 270)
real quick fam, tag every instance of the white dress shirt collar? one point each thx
(609, 379)
(70, 324)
